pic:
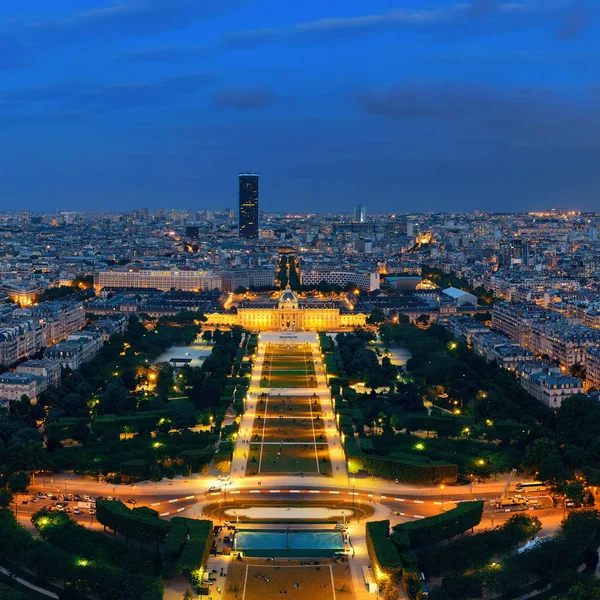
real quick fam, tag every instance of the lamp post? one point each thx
(442, 488)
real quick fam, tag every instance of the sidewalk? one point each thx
(29, 585)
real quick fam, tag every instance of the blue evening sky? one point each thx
(402, 106)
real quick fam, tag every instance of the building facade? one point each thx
(592, 368)
(14, 385)
(363, 280)
(547, 384)
(44, 368)
(248, 278)
(248, 199)
(289, 314)
(189, 280)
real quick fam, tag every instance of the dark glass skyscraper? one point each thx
(248, 187)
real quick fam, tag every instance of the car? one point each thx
(25, 501)
(77, 498)
(54, 498)
(214, 488)
(86, 497)
(76, 511)
(67, 510)
(92, 511)
(35, 499)
(131, 501)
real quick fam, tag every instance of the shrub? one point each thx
(440, 527)
(382, 552)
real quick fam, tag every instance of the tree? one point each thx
(575, 491)
(18, 482)
(581, 591)
(542, 456)
(156, 473)
(22, 406)
(188, 594)
(6, 498)
(207, 336)
(377, 316)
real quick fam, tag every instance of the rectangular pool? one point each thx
(292, 543)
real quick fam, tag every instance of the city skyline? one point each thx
(454, 106)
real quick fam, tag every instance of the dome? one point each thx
(288, 299)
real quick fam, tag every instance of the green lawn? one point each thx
(287, 369)
(292, 459)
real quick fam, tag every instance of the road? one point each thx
(178, 495)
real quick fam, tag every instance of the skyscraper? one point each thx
(360, 213)
(248, 190)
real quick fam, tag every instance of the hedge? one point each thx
(442, 425)
(411, 579)
(440, 527)
(412, 471)
(65, 429)
(141, 421)
(9, 593)
(475, 551)
(174, 544)
(97, 571)
(197, 548)
(139, 524)
(382, 552)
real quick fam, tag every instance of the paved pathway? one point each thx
(336, 453)
(30, 585)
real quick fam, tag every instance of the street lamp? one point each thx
(442, 488)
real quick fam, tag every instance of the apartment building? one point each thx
(42, 368)
(61, 319)
(464, 328)
(547, 384)
(248, 278)
(592, 368)
(363, 280)
(14, 385)
(502, 350)
(162, 279)
(20, 339)
(517, 320)
(76, 350)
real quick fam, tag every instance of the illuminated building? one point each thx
(248, 192)
(188, 280)
(289, 313)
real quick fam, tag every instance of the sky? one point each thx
(401, 106)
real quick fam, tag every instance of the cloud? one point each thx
(524, 116)
(66, 101)
(117, 19)
(128, 17)
(576, 20)
(515, 14)
(243, 99)
(160, 54)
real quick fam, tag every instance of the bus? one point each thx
(531, 486)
